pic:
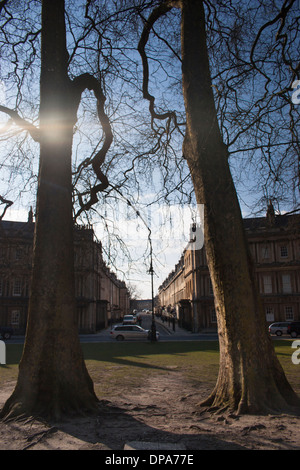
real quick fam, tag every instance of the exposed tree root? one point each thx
(16, 409)
(215, 405)
(40, 436)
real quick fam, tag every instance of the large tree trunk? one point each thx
(250, 377)
(53, 379)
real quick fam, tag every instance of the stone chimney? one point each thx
(270, 213)
(30, 215)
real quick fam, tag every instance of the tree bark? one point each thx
(53, 379)
(250, 379)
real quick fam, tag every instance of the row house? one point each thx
(274, 243)
(101, 297)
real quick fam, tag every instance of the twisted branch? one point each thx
(7, 205)
(80, 83)
(161, 10)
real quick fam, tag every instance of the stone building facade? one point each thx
(275, 246)
(101, 296)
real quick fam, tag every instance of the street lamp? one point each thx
(153, 325)
(151, 270)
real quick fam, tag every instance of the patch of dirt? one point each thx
(162, 409)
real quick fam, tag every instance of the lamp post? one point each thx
(153, 325)
(151, 270)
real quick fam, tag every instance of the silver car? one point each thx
(130, 332)
(279, 328)
(129, 320)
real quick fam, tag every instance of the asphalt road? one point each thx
(166, 333)
(99, 338)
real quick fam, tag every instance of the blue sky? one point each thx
(169, 222)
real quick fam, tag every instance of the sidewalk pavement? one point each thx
(179, 331)
(169, 327)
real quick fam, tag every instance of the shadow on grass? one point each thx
(148, 355)
(132, 363)
(106, 351)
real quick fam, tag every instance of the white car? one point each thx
(131, 332)
(129, 320)
(279, 328)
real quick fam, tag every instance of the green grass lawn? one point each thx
(116, 365)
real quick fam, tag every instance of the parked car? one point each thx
(6, 332)
(129, 320)
(294, 329)
(279, 328)
(131, 332)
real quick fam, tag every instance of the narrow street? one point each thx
(165, 330)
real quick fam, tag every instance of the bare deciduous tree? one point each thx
(53, 379)
(251, 379)
(220, 115)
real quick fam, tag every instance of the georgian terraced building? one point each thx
(101, 296)
(274, 242)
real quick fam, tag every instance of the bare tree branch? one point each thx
(155, 15)
(25, 125)
(81, 83)
(7, 205)
(2, 4)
